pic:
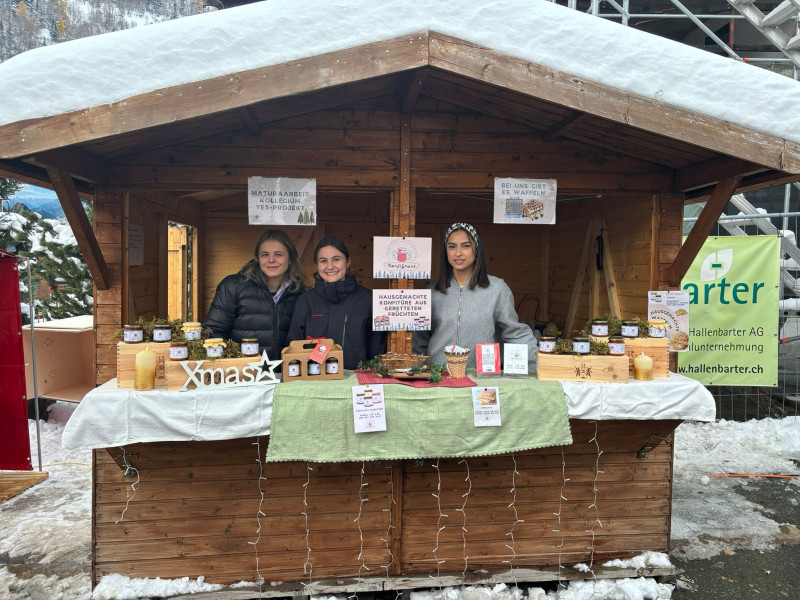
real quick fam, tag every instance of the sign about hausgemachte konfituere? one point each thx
(281, 201)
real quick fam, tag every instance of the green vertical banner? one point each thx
(734, 291)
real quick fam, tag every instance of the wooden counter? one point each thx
(379, 525)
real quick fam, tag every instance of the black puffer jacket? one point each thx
(245, 309)
(322, 310)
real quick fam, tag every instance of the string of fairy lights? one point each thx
(513, 506)
(363, 569)
(259, 512)
(130, 470)
(463, 512)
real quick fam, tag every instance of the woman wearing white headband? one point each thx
(469, 306)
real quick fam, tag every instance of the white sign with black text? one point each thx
(525, 201)
(369, 410)
(281, 201)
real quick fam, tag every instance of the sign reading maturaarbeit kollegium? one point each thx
(281, 201)
(525, 201)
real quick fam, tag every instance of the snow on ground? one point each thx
(45, 532)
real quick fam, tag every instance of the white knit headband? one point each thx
(470, 229)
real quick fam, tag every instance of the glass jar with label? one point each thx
(580, 345)
(616, 345)
(293, 370)
(657, 328)
(630, 329)
(313, 368)
(178, 351)
(162, 333)
(214, 347)
(331, 365)
(250, 346)
(133, 334)
(547, 344)
(191, 330)
(600, 328)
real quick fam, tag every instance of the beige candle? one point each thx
(643, 367)
(145, 370)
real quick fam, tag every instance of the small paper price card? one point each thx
(369, 411)
(515, 359)
(486, 406)
(488, 359)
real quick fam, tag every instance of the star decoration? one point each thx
(271, 365)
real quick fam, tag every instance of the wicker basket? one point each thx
(393, 361)
(457, 363)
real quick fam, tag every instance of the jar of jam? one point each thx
(162, 333)
(616, 345)
(250, 346)
(313, 368)
(214, 347)
(580, 345)
(600, 328)
(331, 365)
(178, 351)
(630, 329)
(657, 328)
(191, 330)
(133, 334)
(547, 344)
(293, 369)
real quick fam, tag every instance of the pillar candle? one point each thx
(643, 367)
(145, 370)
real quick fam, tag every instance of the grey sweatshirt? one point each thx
(467, 317)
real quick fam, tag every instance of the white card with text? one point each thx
(369, 410)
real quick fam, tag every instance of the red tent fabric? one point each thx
(15, 446)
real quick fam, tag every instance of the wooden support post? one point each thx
(544, 300)
(401, 222)
(608, 272)
(396, 515)
(577, 288)
(79, 222)
(109, 306)
(713, 209)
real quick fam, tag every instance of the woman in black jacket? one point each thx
(337, 307)
(258, 301)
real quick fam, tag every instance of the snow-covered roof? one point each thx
(98, 70)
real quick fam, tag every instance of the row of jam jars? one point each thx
(313, 368)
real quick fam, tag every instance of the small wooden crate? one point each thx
(655, 348)
(585, 367)
(126, 361)
(300, 350)
(217, 368)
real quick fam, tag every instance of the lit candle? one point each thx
(643, 367)
(145, 370)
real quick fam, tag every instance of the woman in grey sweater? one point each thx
(469, 306)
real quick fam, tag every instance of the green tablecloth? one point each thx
(313, 421)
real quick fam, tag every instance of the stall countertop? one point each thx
(109, 416)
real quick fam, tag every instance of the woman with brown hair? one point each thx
(258, 301)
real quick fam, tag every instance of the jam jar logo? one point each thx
(716, 264)
(717, 288)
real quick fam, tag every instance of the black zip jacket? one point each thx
(330, 310)
(245, 309)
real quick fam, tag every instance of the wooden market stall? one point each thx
(404, 136)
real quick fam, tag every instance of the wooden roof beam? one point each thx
(697, 236)
(560, 129)
(77, 162)
(249, 120)
(81, 228)
(35, 175)
(412, 89)
(749, 183)
(711, 171)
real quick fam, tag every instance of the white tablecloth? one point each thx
(109, 416)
